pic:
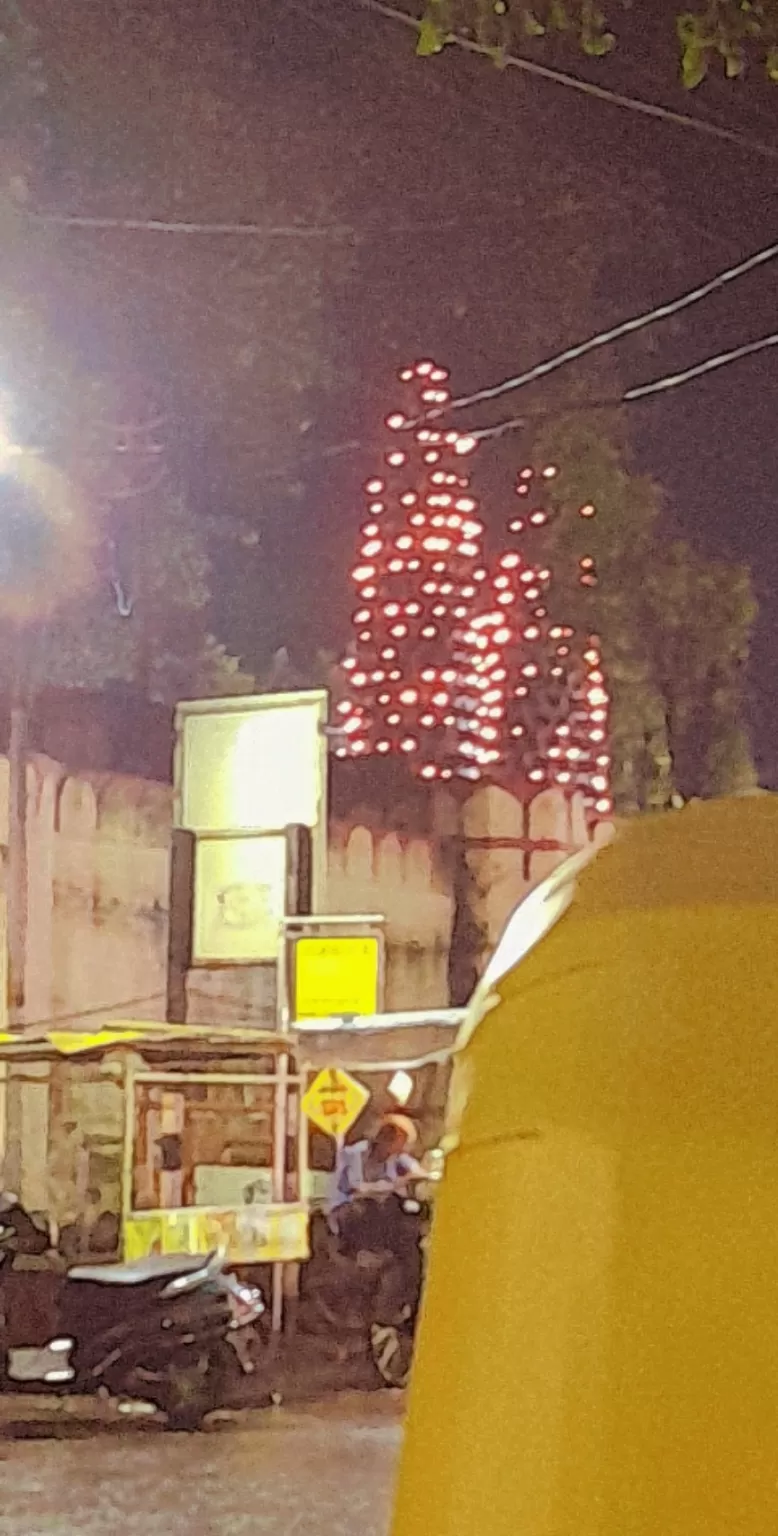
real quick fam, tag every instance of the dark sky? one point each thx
(400, 147)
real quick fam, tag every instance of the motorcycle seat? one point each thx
(158, 1266)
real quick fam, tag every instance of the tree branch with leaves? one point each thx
(732, 34)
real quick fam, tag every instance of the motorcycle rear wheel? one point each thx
(391, 1351)
(190, 1391)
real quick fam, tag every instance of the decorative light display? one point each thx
(546, 690)
(466, 669)
(412, 689)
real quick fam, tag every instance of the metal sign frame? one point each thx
(317, 700)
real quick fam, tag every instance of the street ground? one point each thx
(75, 1470)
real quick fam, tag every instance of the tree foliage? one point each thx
(697, 616)
(729, 33)
(144, 618)
(285, 673)
(94, 599)
(675, 627)
(104, 568)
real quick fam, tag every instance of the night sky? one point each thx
(441, 165)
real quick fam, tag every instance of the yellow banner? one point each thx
(249, 1234)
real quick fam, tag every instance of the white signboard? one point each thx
(251, 764)
(239, 898)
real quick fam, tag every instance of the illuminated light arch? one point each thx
(425, 566)
(489, 679)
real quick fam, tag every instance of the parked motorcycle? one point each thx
(165, 1329)
(392, 1328)
(364, 1285)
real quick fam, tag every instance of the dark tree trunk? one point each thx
(467, 936)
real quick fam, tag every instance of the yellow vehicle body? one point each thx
(598, 1351)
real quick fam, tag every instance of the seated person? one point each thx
(367, 1171)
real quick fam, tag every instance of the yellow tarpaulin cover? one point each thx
(598, 1351)
(71, 1044)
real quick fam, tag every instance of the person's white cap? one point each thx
(404, 1124)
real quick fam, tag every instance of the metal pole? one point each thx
(279, 1185)
(302, 1138)
(279, 1124)
(16, 889)
(128, 1148)
(3, 1116)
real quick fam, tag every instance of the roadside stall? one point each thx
(156, 1138)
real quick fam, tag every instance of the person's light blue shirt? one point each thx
(349, 1175)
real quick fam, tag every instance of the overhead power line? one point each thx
(672, 380)
(536, 414)
(183, 227)
(585, 87)
(237, 230)
(582, 408)
(637, 392)
(604, 338)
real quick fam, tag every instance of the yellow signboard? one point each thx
(249, 1234)
(336, 976)
(334, 1101)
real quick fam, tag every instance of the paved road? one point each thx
(321, 1471)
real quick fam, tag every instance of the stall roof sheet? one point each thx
(140, 1033)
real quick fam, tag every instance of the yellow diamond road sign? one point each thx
(334, 1101)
